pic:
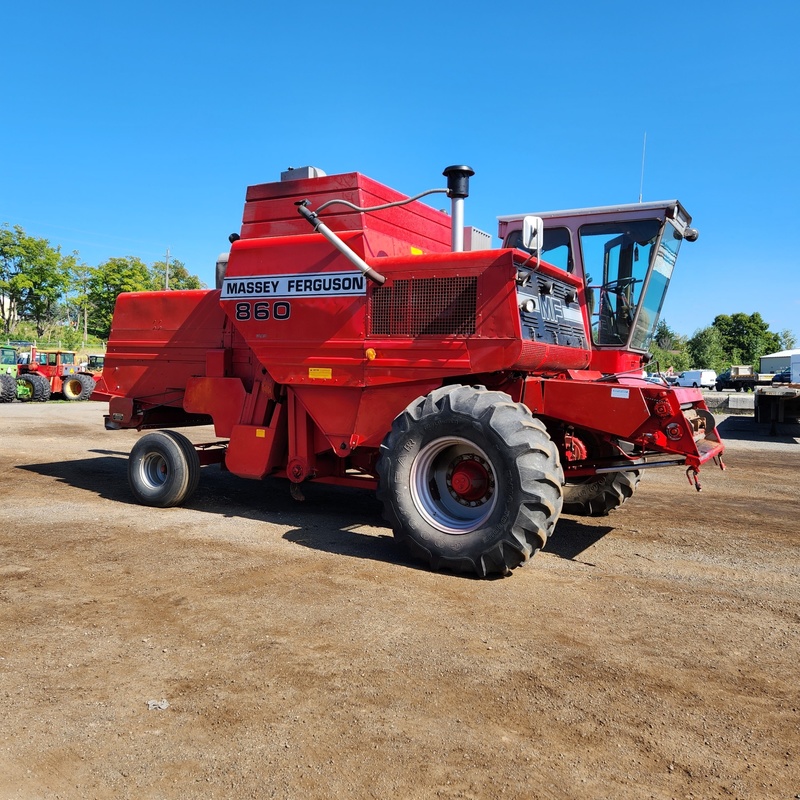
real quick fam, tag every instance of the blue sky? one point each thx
(131, 128)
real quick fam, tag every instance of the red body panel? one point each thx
(160, 340)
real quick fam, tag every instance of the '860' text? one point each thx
(261, 310)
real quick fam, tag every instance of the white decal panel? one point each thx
(323, 284)
(622, 394)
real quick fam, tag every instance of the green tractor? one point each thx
(13, 384)
(8, 374)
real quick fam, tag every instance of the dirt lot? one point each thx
(301, 654)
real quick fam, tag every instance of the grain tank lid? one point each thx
(270, 210)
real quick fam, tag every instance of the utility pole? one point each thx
(166, 271)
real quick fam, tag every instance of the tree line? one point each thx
(730, 339)
(45, 294)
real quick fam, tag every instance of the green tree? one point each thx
(33, 278)
(678, 360)
(706, 350)
(10, 258)
(108, 280)
(664, 337)
(669, 349)
(745, 338)
(179, 276)
(76, 302)
(788, 341)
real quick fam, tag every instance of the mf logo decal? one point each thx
(553, 310)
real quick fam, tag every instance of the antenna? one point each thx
(641, 180)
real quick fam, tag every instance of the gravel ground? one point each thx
(249, 646)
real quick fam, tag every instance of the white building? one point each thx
(777, 361)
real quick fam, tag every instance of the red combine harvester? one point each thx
(477, 390)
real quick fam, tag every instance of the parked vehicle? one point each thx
(94, 364)
(741, 378)
(58, 370)
(784, 376)
(17, 384)
(8, 374)
(697, 378)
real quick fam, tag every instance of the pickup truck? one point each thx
(742, 378)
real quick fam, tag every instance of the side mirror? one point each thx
(533, 234)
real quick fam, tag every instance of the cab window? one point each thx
(557, 249)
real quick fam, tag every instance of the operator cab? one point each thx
(625, 256)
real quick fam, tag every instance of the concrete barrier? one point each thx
(741, 402)
(730, 402)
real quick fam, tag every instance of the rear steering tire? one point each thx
(596, 496)
(470, 480)
(163, 469)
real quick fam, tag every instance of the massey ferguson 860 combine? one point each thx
(354, 340)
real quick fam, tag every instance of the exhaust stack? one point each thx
(458, 189)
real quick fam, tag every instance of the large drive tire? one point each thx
(596, 496)
(470, 481)
(89, 384)
(163, 469)
(41, 392)
(8, 388)
(77, 387)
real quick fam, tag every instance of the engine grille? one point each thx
(425, 307)
(554, 316)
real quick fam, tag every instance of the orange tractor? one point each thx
(56, 372)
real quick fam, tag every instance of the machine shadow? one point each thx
(572, 538)
(105, 476)
(325, 521)
(746, 429)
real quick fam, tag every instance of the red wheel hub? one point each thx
(470, 480)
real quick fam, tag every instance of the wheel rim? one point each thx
(25, 390)
(154, 471)
(453, 485)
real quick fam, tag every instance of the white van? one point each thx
(705, 378)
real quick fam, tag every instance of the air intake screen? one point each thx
(425, 307)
